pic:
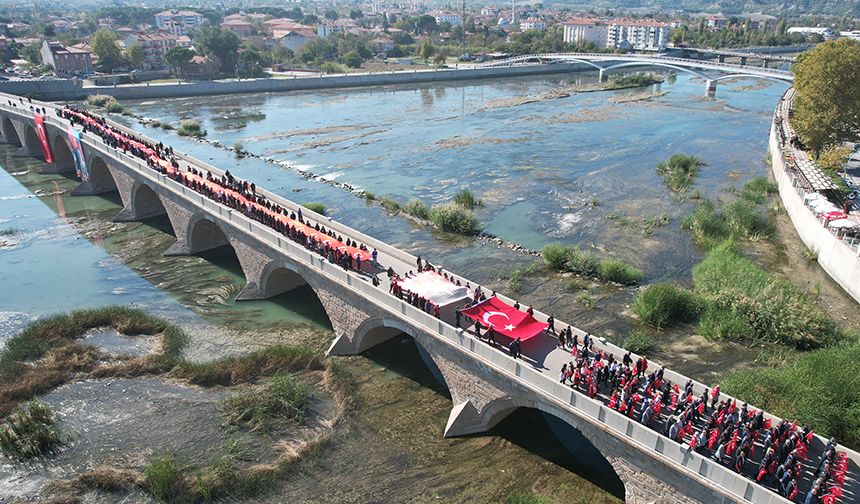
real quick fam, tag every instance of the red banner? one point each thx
(505, 319)
(43, 137)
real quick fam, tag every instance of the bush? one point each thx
(114, 107)
(315, 207)
(465, 198)
(634, 80)
(369, 196)
(759, 189)
(525, 497)
(706, 225)
(29, 432)
(820, 388)
(417, 208)
(582, 263)
(455, 219)
(284, 397)
(679, 171)
(164, 478)
(640, 342)
(663, 304)
(745, 220)
(613, 270)
(746, 303)
(191, 127)
(389, 204)
(555, 256)
(99, 100)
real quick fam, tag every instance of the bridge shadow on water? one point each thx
(537, 432)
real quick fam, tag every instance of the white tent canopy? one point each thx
(432, 286)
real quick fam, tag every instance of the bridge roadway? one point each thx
(485, 383)
(604, 62)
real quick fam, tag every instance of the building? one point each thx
(155, 46)
(446, 17)
(178, 22)
(637, 34)
(532, 24)
(809, 31)
(585, 30)
(295, 39)
(716, 23)
(489, 11)
(240, 27)
(201, 67)
(336, 26)
(67, 61)
(382, 44)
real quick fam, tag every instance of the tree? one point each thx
(352, 59)
(135, 54)
(827, 102)
(426, 49)
(222, 44)
(32, 54)
(250, 62)
(331, 14)
(178, 58)
(356, 14)
(107, 50)
(311, 19)
(425, 24)
(48, 30)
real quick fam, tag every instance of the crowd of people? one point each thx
(738, 437)
(234, 193)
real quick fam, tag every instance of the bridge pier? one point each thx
(710, 88)
(743, 60)
(766, 63)
(721, 58)
(602, 76)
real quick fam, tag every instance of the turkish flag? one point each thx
(505, 319)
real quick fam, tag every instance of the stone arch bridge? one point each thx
(485, 383)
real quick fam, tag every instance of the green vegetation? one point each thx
(239, 148)
(315, 207)
(284, 397)
(586, 299)
(745, 303)
(740, 218)
(9, 231)
(826, 109)
(646, 224)
(575, 260)
(594, 202)
(248, 367)
(758, 190)
(466, 199)
(417, 208)
(810, 254)
(106, 102)
(369, 196)
(679, 171)
(455, 219)
(518, 274)
(526, 497)
(820, 387)
(663, 304)
(192, 128)
(634, 80)
(30, 432)
(640, 341)
(164, 478)
(389, 204)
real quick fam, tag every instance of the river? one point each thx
(549, 170)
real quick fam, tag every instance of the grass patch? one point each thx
(809, 254)
(679, 171)
(519, 274)
(192, 128)
(741, 218)
(369, 196)
(248, 367)
(758, 190)
(454, 218)
(389, 204)
(641, 342)
(633, 80)
(284, 397)
(30, 432)
(164, 478)
(746, 303)
(106, 102)
(820, 387)
(9, 231)
(586, 299)
(575, 260)
(315, 207)
(526, 497)
(466, 199)
(645, 225)
(417, 208)
(663, 304)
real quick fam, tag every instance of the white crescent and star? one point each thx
(490, 314)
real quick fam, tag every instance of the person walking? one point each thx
(551, 325)
(457, 315)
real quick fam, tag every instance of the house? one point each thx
(716, 23)
(336, 26)
(295, 39)
(638, 34)
(446, 17)
(240, 27)
(67, 61)
(581, 31)
(178, 22)
(155, 46)
(282, 24)
(382, 44)
(489, 11)
(251, 17)
(201, 67)
(532, 24)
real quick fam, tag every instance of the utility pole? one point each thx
(463, 25)
(513, 12)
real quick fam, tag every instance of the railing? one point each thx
(708, 472)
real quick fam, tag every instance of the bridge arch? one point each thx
(145, 202)
(63, 158)
(658, 64)
(32, 142)
(287, 284)
(751, 76)
(579, 439)
(10, 134)
(205, 234)
(101, 178)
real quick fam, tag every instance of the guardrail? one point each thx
(708, 472)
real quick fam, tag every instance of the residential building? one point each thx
(489, 11)
(585, 30)
(5, 54)
(716, 23)
(67, 61)
(822, 31)
(295, 39)
(637, 34)
(178, 22)
(336, 26)
(533, 24)
(240, 27)
(382, 44)
(242, 16)
(201, 67)
(155, 46)
(452, 18)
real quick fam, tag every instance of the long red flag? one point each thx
(505, 319)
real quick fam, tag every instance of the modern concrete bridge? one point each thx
(485, 383)
(604, 63)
